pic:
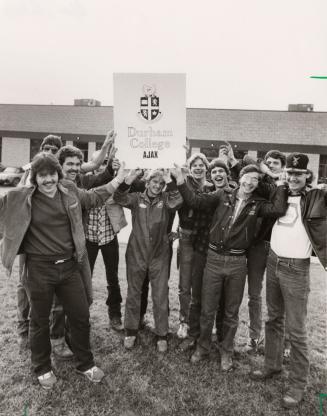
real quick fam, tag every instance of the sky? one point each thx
(254, 54)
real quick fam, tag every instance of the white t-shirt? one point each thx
(289, 238)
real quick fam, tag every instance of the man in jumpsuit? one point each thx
(148, 250)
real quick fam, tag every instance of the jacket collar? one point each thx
(32, 188)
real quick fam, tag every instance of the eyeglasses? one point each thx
(52, 149)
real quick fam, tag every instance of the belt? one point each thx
(62, 260)
(49, 260)
(226, 252)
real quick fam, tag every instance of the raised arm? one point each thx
(97, 196)
(123, 196)
(94, 164)
(198, 201)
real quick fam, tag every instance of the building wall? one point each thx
(15, 151)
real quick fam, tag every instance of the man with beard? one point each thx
(44, 221)
(231, 234)
(302, 229)
(196, 180)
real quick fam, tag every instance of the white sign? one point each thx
(150, 119)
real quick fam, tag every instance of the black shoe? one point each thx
(116, 324)
(261, 375)
(187, 344)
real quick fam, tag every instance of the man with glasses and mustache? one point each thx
(231, 234)
(302, 229)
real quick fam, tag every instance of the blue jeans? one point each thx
(110, 255)
(199, 262)
(186, 254)
(222, 275)
(257, 261)
(288, 287)
(57, 317)
(44, 280)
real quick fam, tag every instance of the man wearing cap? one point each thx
(302, 229)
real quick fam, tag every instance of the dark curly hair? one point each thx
(249, 169)
(45, 162)
(69, 151)
(276, 154)
(51, 140)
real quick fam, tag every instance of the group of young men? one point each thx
(236, 220)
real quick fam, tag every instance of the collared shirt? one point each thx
(99, 229)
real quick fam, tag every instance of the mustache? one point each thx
(49, 183)
(72, 171)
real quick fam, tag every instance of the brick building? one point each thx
(22, 128)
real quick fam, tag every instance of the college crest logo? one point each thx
(149, 105)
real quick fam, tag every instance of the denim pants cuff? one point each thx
(85, 366)
(130, 332)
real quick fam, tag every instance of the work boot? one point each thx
(198, 356)
(60, 349)
(292, 399)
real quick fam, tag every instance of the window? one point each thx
(84, 147)
(322, 173)
(35, 145)
(213, 151)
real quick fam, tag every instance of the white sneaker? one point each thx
(129, 342)
(47, 380)
(162, 346)
(182, 331)
(94, 374)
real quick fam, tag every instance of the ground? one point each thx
(141, 382)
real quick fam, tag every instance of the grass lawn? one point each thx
(141, 382)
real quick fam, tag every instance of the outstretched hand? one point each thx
(177, 173)
(110, 139)
(132, 175)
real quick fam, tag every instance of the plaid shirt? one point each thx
(99, 229)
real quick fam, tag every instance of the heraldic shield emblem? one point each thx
(149, 104)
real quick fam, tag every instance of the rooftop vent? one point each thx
(87, 102)
(300, 107)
